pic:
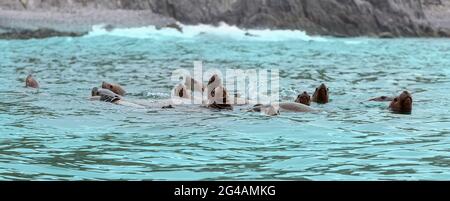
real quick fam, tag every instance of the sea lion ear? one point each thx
(317, 89)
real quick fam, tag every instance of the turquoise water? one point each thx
(56, 133)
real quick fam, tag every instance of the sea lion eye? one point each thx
(181, 93)
(317, 89)
(395, 99)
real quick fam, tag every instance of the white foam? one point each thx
(192, 31)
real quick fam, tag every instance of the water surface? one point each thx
(55, 133)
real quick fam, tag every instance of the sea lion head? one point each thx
(321, 94)
(106, 95)
(304, 98)
(114, 88)
(266, 109)
(402, 103)
(31, 82)
(182, 91)
(94, 92)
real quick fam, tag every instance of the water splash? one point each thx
(191, 31)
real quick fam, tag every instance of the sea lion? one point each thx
(105, 95)
(402, 103)
(109, 96)
(275, 109)
(294, 107)
(114, 88)
(320, 95)
(304, 98)
(193, 84)
(219, 99)
(31, 82)
(266, 109)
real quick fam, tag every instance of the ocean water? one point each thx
(56, 133)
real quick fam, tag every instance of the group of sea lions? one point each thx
(215, 96)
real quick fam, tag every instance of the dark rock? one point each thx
(37, 34)
(342, 18)
(326, 17)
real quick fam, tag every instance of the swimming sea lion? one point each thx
(266, 109)
(294, 107)
(304, 98)
(105, 95)
(321, 94)
(109, 96)
(114, 88)
(31, 82)
(275, 109)
(219, 99)
(402, 103)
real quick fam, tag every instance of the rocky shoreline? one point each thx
(23, 19)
